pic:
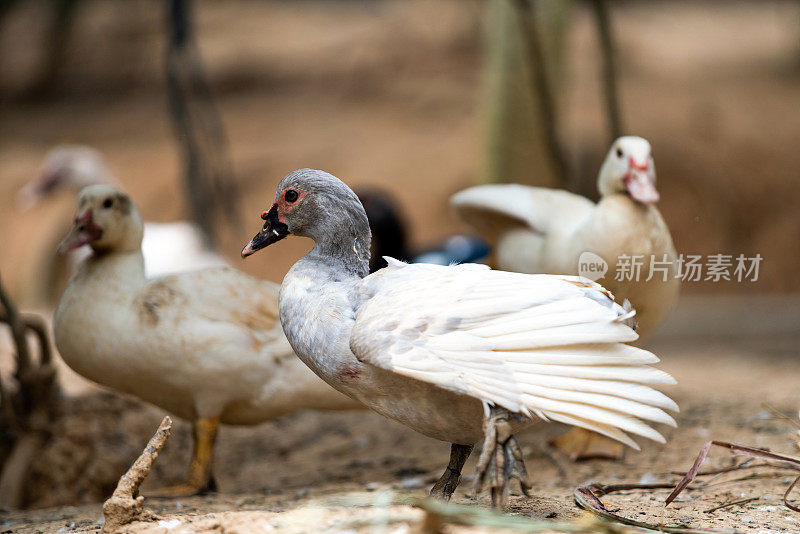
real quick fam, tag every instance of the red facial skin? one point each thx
(87, 233)
(285, 207)
(638, 183)
(85, 218)
(638, 166)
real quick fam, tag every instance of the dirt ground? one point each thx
(294, 469)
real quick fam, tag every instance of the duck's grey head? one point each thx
(315, 204)
(629, 169)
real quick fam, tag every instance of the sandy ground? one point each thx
(298, 463)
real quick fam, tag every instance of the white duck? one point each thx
(205, 345)
(456, 353)
(539, 230)
(168, 248)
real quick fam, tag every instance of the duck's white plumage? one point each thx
(206, 343)
(545, 346)
(456, 353)
(540, 230)
(176, 247)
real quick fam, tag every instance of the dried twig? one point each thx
(780, 415)
(588, 498)
(775, 460)
(126, 505)
(733, 503)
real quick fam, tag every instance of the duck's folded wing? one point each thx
(494, 209)
(542, 345)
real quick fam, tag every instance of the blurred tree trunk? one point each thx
(55, 47)
(208, 175)
(607, 49)
(526, 46)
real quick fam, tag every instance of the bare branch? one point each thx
(126, 505)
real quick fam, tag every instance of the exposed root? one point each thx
(27, 411)
(126, 505)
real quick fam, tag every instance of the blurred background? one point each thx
(421, 98)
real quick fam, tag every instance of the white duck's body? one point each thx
(409, 340)
(167, 248)
(205, 345)
(451, 351)
(540, 230)
(176, 247)
(319, 308)
(201, 344)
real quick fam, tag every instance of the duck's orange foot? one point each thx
(199, 480)
(179, 490)
(580, 444)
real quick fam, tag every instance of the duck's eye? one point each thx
(619, 153)
(107, 203)
(290, 195)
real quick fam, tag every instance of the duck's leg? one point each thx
(501, 458)
(199, 479)
(581, 444)
(447, 484)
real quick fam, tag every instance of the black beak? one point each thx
(272, 232)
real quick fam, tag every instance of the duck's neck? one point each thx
(623, 199)
(124, 268)
(345, 248)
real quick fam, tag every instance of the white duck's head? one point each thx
(316, 204)
(65, 168)
(629, 169)
(107, 220)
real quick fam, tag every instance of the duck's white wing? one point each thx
(550, 346)
(176, 247)
(494, 209)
